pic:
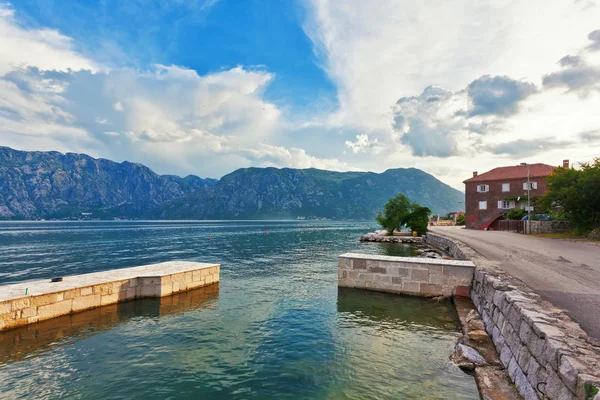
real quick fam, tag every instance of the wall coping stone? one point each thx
(413, 260)
(44, 286)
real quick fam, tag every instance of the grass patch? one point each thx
(571, 236)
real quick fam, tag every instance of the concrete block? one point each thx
(359, 264)
(462, 291)
(150, 281)
(462, 273)
(345, 263)
(436, 278)
(54, 310)
(377, 270)
(19, 304)
(419, 275)
(28, 312)
(150, 291)
(36, 301)
(5, 307)
(411, 287)
(85, 302)
(396, 280)
(403, 272)
(109, 299)
(428, 289)
(86, 291)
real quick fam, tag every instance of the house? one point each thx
(491, 195)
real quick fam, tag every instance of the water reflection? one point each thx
(366, 307)
(20, 343)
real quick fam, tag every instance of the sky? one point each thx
(208, 86)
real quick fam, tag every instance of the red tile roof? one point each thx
(514, 172)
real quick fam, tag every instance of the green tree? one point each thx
(461, 220)
(576, 192)
(400, 211)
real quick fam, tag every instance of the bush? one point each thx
(461, 220)
(400, 211)
(516, 213)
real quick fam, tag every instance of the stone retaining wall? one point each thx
(550, 226)
(547, 355)
(449, 246)
(47, 300)
(406, 275)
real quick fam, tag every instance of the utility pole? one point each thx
(528, 202)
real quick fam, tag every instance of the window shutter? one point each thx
(500, 204)
(534, 185)
(487, 188)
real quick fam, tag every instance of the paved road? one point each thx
(567, 274)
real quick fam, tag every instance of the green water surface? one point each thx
(275, 327)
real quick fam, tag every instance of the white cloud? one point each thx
(43, 48)
(364, 145)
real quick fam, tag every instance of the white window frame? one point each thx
(532, 185)
(484, 202)
(506, 204)
(483, 188)
(505, 187)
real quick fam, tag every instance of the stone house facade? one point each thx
(491, 195)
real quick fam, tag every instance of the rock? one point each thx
(476, 325)
(594, 235)
(464, 354)
(472, 315)
(478, 336)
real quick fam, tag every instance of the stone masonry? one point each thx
(547, 355)
(76, 293)
(406, 275)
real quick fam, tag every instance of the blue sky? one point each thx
(208, 86)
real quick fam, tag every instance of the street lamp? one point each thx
(528, 199)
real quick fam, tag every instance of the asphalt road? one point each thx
(565, 273)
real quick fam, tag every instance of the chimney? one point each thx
(474, 174)
(565, 163)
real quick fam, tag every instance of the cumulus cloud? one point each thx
(498, 95)
(571, 61)
(364, 145)
(580, 78)
(594, 36)
(166, 116)
(433, 123)
(43, 48)
(523, 147)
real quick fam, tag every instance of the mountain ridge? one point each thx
(55, 185)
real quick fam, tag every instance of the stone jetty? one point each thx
(29, 302)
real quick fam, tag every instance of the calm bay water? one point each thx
(275, 327)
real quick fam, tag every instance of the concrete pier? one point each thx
(45, 299)
(405, 275)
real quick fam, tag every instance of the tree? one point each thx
(576, 192)
(400, 211)
(461, 220)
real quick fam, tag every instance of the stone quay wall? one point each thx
(550, 226)
(45, 300)
(547, 355)
(405, 275)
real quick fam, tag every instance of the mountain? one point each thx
(54, 185)
(267, 193)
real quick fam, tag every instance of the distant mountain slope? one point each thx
(255, 193)
(51, 184)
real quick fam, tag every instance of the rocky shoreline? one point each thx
(423, 250)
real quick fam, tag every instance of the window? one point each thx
(532, 185)
(506, 187)
(483, 205)
(506, 204)
(483, 188)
